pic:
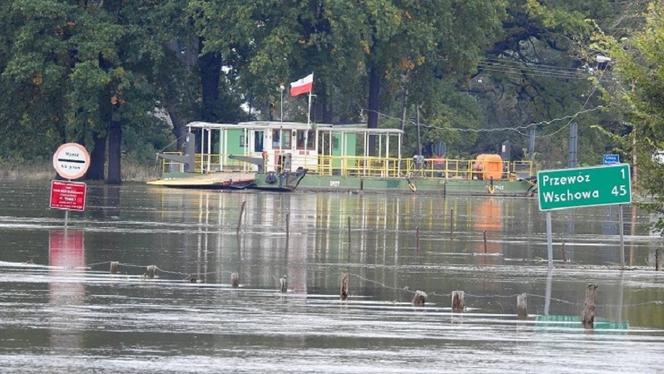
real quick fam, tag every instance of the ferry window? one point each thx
(258, 141)
(311, 141)
(286, 139)
(275, 139)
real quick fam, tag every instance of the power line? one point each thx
(497, 129)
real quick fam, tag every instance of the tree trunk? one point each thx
(97, 159)
(114, 152)
(209, 66)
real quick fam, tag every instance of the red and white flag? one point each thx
(304, 85)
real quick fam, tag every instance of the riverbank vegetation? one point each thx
(124, 77)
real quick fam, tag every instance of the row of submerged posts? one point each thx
(419, 298)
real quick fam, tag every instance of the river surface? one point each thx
(62, 310)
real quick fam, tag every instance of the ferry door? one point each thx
(258, 145)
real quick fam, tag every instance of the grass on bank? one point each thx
(132, 171)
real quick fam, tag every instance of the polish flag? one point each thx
(304, 85)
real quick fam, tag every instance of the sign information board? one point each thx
(71, 161)
(581, 187)
(611, 158)
(68, 195)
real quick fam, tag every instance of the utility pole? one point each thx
(419, 142)
(572, 148)
(531, 143)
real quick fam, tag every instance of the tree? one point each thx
(640, 100)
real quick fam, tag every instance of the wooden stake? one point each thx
(457, 301)
(348, 233)
(588, 317)
(283, 284)
(419, 298)
(239, 220)
(235, 280)
(522, 306)
(417, 238)
(658, 257)
(484, 241)
(562, 248)
(150, 271)
(451, 221)
(343, 286)
(115, 267)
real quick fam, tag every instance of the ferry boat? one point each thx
(284, 156)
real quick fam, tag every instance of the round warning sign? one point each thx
(71, 160)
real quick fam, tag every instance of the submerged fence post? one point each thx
(235, 280)
(419, 298)
(457, 301)
(522, 305)
(658, 259)
(343, 286)
(239, 220)
(484, 241)
(115, 267)
(283, 283)
(150, 271)
(451, 221)
(588, 318)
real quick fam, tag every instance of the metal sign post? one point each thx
(549, 239)
(622, 237)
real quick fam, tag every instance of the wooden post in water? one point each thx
(484, 241)
(658, 259)
(239, 220)
(115, 267)
(348, 224)
(417, 238)
(419, 298)
(522, 305)
(588, 317)
(457, 301)
(283, 284)
(451, 221)
(150, 271)
(343, 286)
(562, 249)
(235, 280)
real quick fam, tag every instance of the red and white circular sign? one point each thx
(71, 160)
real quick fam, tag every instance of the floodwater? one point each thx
(61, 310)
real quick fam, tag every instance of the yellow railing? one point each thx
(214, 163)
(168, 166)
(373, 166)
(429, 167)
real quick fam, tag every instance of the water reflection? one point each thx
(66, 253)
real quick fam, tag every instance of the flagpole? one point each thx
(309, 110)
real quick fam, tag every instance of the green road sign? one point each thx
(592, 186)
